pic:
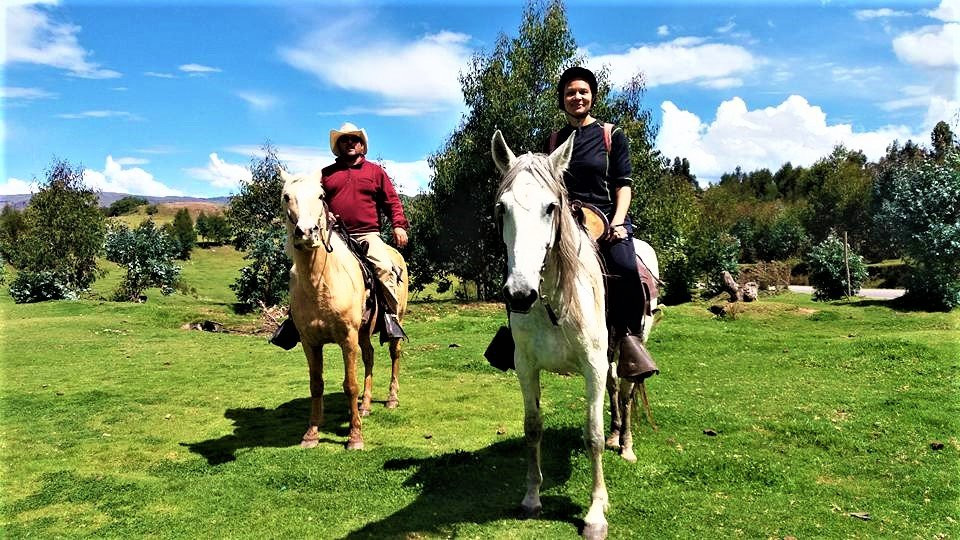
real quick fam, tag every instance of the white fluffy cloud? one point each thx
(947, 11)
(883, 13)
(412, 74)
(220, 173)
(134, 180)
(15, 186)
(199, 69)
(409, 177)
(34, 37)
(793, 131)
(934, 46)
(683, 60)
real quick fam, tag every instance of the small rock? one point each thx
(453, 346)
(710, 433)
(501, 431)
(167, 417)
(44, 385)
(936, 445)
(860, 515)
(59, 393)
(427, 435)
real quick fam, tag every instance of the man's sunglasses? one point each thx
(349, 139)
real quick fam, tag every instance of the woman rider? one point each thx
(599, 174)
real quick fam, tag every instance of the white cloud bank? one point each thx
(15, 186)
(682, 60)
(134, 180)
(221, 174)
(793, 131)
(34, 37)
(409, 177)
(418, 74)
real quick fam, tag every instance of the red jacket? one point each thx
(356, 192)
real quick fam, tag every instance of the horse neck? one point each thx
(322, 267)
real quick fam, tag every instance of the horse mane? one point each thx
(567, 255)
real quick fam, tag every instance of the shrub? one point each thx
(775, 274)
(147, 255)
(152, 209)
(828, 273)
(39, 286)
(3, 271)
(714, 253)
(923, 200)
(266, 281)
(126, 205)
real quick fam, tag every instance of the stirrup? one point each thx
(286, 335)
(635, 361)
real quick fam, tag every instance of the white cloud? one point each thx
(947, 11)
(258, 100)
(867, 14)
(159, 75)
(17, 92)
(793, 131)
(132, 161)
(99, 114)
(663, 30)
(416, 74)
(409, 177)
(198, 69)
(135, 181)
(720, 84)
(935, 46)
(15, 186)
(33, 37)
(220, 173)
(686, 59)
(727, 27)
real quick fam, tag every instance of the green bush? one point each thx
(183, 233)
(828, 273)
(714, 253)
(266, 281)
(32, 286)
(126, 205)
(147, 254)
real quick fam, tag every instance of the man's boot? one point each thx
(286, 335)
(392, 328)
(635, 361)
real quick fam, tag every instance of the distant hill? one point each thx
(108, 197)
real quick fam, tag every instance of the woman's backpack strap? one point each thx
(607, 138)
(552, 145)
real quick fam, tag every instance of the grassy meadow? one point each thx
(802, 419)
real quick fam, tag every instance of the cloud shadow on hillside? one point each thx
(479, 487)
(259, 427)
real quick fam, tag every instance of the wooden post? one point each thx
(846, 262)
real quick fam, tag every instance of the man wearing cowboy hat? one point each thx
(357, 190)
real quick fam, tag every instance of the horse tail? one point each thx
(646, 405)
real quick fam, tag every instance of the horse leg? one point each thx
(315, 365)
(351, 389)
(595, 523)
(628, 390)
(532, 433)
(613, 441)
(393, 401)
(366, 352)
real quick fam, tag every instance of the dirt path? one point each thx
(885, 294)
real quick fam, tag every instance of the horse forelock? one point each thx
(572, 250)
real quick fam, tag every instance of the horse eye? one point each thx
(550, 208)
(286, 197)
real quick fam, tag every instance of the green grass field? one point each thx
(114, 422)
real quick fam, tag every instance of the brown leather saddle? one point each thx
(591, 219)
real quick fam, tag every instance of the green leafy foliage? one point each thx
(828, 271)
(922, 199)
(12, 226)
(39, 286)
(146, 253)
(266, 280)
(152, 209)
(64, 231)
(214, 228)
(183, 233)
(126, 205)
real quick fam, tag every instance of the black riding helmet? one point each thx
(576, 73)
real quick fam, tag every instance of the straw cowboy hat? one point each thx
(347, 129)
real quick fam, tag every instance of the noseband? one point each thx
(331, 221)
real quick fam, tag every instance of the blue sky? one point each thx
(172, 98)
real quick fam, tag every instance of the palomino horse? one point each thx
(327, 298)
(555, 295)
(622, 395)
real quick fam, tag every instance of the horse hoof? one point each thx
(392, 403)
(595, 531)
(309, 443)
(628, 455)
(355, 445)
(613, 441)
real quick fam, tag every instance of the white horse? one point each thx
(555, 295)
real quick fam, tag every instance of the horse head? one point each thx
(308, 219)
(527, 211)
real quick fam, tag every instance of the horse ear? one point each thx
(560, 158)
(503, 157)
(287, 177)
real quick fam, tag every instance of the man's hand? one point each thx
(400, 237)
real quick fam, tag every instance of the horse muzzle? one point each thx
(519, 301)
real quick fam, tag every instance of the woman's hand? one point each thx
(617, 232)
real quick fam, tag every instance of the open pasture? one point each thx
(802, 419)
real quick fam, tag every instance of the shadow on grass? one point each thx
(902, 304)
(277, 428)
(479, 487)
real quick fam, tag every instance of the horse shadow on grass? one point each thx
(479, 487)
(274, 428)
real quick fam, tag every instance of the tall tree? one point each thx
(943, 139)
(184, 233)
(257, 206)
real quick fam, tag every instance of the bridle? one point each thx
(330, 220)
